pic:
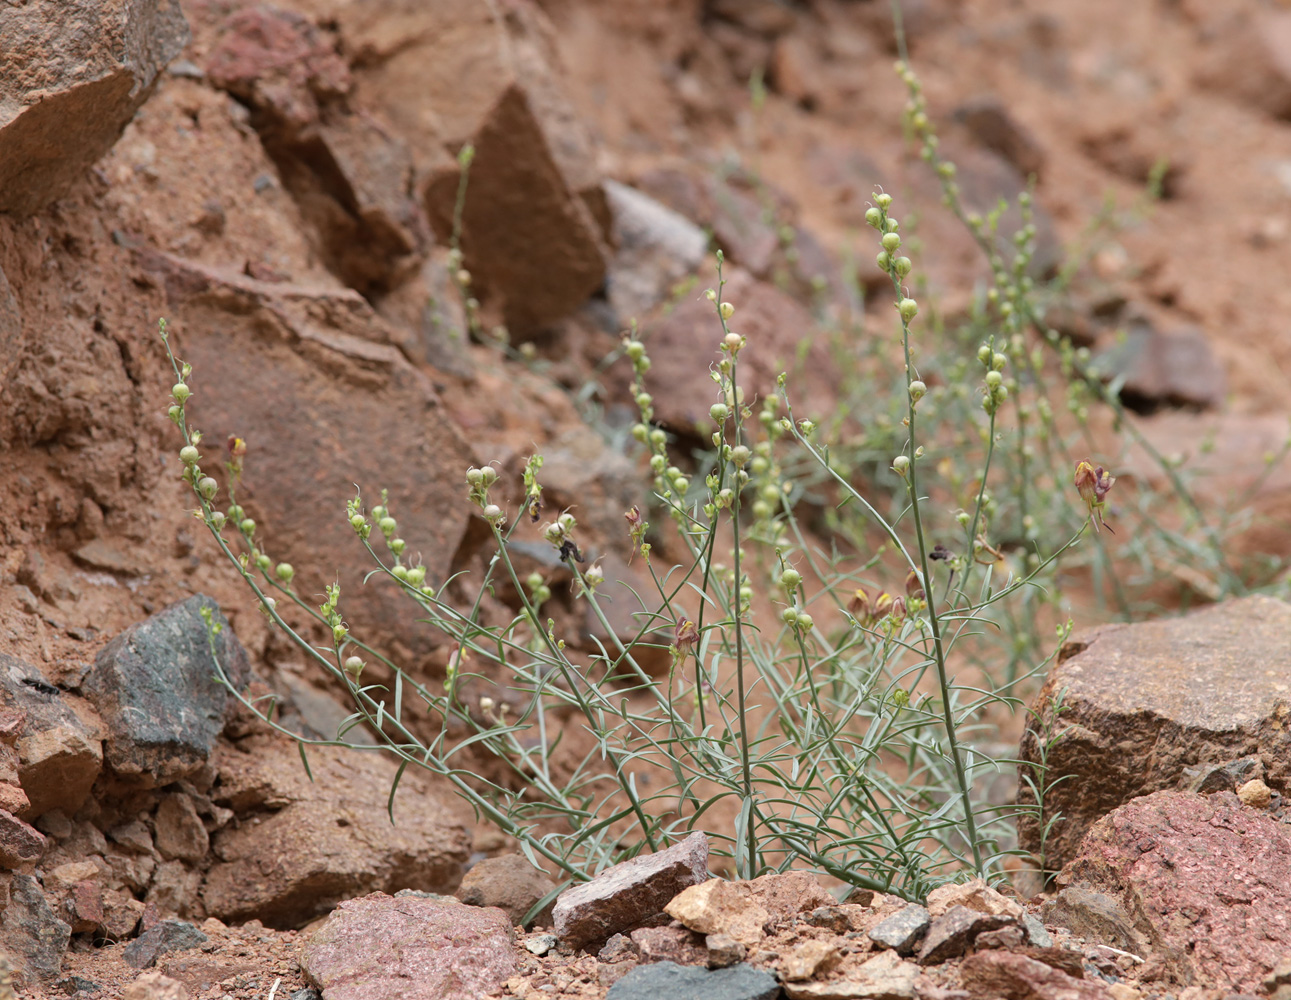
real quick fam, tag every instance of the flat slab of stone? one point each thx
(1145, 702)
(687, 982)
(1202, 879)
(622, 897)
(410, 947)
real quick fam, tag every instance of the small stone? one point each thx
(805, 960)
(1036, 932)
(31, 932)
(617, 948)
(510, 883)
(1222, 778)
(624, 896)
(678, 982)
(974, 895)
(165, 937)
(1255, 794)
(670, 944)
(786, 895)
(724, 950)
(540, 944)
(307, 993)
(954, 931)
(1124, 991)
(71, 985)
(155, 986)
(1006, 939)
(1094, 915)
(837, 918)
(180, 831)
(720, 907)
(902, 931)
(883, 977)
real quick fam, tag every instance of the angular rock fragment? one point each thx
(1141, 703)
(883, 977)
(720, 907)
(31, 932)
(19, 842)
(655, 248)
(165, 937)
(670, 944)
(624, 896)
(510, 883)
(72, 75)
(408, 947)
(679, 982)
(993, 975)
(953, 933)
(155, 686)
(902, 931)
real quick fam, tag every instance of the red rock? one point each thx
(410, 948)
(1000, 975)
(19, 843)
(787, 895)
(1145, 701)
(626, 895)
(72, 75)
(1196, 874)
(1250, 61)
(991, 125)
(670, 944)
(510, 883)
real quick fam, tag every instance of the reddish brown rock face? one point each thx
(1204, 880)
(1147, 701)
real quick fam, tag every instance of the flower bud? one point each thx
(388, 525)
(262, 560)
(207, 487)
(378, 512)
(993, 379)
(908, 308)
(883, 260)
(727, 310)
(641, 432)
(710, 295)
(180, 392)
(984, 354)
(914, 586)
(790, 579)
(174, 412)
(998, 361)
(917, 390)
(634, 349)
(804, 622)
(357, 521)
(247, 527)
(740, 455)
(494, 513)
(189, 455)
(890, 242)
(902, 266)
(732, 341)
(719, 412)
(353, 666)
(284, 571)
(901, 464)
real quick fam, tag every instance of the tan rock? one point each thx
(974, 895)
(808, 959)
(179, 830)
(883, 977)
(720, 907)
(1255, 793)
(1124, 991)
(58, 767)
(155, 986)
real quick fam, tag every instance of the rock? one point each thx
(165, 937)
(308, 845)
(73, 77)
(808, 959)
(1176, 368)
(678, 982)
(655, 248)
(59, 743)
(325, 355)
(683, 344)
(31, 932)
(883, 977)
(19, 843)
(720, 907)
(1036, 932)
(155, 986)
(953, 933)
(841, 918)
(670, 944)
(74, 894)
(1194, 873)
(174, 890)
(510, 883)
(622, 897)
(992, 975)
(990, 124)
(155, 686)
(1006, 938)
(380, 947)
(180, 831)
(1095, 916)
(1248, 62)
(1221, 777)
(724, 950)
(10, 330)
(786, 895)
(541, 944)
(121, 914)
(973, 895)
(1143, 702)
(1255, 793)
(902, 931)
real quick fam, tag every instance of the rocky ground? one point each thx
(280, 183)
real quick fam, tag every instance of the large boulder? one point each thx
(72, 75)
(1143, 705)
(1199, 881)
(301, 846)
(156, 687)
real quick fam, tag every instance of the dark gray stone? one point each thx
(688, 982)
(73, 985)
(901, 931)
(167, 936)
(1036, 932)
(155, 686)
(31, 932)
(1222, 778)
(954, 931)
(307, 993)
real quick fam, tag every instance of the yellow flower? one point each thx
(1093, 485)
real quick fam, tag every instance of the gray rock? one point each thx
(682, 982)
(1036, 931)
(1144, 702)
(1222, 777)
(1097, 916)
(954, 931)
(72, 75)
(155, 686)
(624, 896)
(308, 993)
(540, 944)
(30, 931)
(656, 248)
(901, 931)
(1164, 368)
(165, 937)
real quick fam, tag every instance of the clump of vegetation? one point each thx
(829, 704)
